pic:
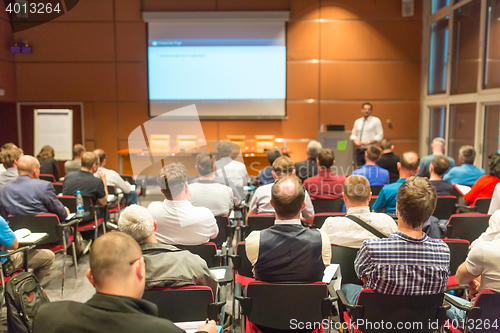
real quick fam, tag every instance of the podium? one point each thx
(343, 148)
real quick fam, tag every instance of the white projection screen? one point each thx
(229, 67)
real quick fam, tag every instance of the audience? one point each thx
(179, 222)
(9, 158)
(29, 195)
(345, 232)
(266, 175)
(437, 147)
(437, 169)
(326, 184)
(408, 167)
(408, 262)
(261, 200)
(117, 272)
(375, 174)
(388, 160)
(76, 163)
(485, 185)
(309, 167)
(93, 187)
(208, 193)
(467, 173)
(166, 265)
(40, 260)
(113, 178)
(228, 168)
(4, 147)
(48, 165)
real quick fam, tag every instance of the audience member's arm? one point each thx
(468, 273)
(491, 232)
(102, 189)
(214, 229)
(495, 200)
(474, 191)
(53, 204)
(14, 245)
(307, 215)
(379, 204)
(362, 261)
(252, 243)
(209, 327)
(326, 248)
(121, 184)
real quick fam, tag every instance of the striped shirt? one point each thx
(403, 265)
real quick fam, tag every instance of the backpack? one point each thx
(435, 228)
(23, 297)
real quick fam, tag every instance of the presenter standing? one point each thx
(367, 130)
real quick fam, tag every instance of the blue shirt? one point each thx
(7, 236)
(266, 176)
(403, 265)
(387, 197)
(375, 174)
(425, 162)
(466, 174)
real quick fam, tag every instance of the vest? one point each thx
(289, 253)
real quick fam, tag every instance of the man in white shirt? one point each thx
(261, 200)
(179, 222)
(367, 130)
(208, 193)
(491, 232)
(228, 168)
(345, 232)
(113, 178)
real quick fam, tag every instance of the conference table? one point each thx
(148, 163)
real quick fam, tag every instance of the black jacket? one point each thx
(306, 169)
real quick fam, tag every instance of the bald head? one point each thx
(287, 197)
(28, 166)
(408, 164)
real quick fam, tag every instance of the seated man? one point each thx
(118, 274)
(228, 168)
(266, 175)
(287, 251)
(345, 232)
(467, 173)
(76, 163)
(408, 166)
(113, 178)
(408, 262)
(5, 146)
(40, 260)
(437, 169)
(327, 184)
(375, 174)
(261, 200)
(93, 187)
(309, 167)
(29, 195)
(179, 222)
(9, 158)
(166, 265)
(208, 193)
(388, 160)
(437, 147)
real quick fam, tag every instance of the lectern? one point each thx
(342, 146)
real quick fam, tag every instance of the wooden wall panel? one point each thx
(88, 121)
(244, 5)
(365, 9)
(175, 5)
(302, 40)
(304, 9)
(298, 150)
(90, 10)
(250, 128)
(302, 120)
(131, 43)
(76, 41)
(5, 39)
(210, 129)
(9, 123)
(7, 81)
(130, 116)
(132, 81)
(106, 137)
(65, 82)
(302, 80)
(128, 10)
(401, 146)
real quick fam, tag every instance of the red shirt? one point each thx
(325, 185)
(483, 188)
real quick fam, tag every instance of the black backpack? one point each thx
(23, 297)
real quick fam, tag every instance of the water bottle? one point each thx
(79, 204)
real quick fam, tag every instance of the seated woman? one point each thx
(485, 185)
(48, 165)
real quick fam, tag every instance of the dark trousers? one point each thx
(360, 157)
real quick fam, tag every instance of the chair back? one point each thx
(48, 223)
(482, 205)
(190, 303)
(445, 207)
(328, 205)
(186, 142)
(241, 264)
(128, 178)
(159, 142)
(207, 252)
(260, 222)
(376, 189)
(240, 140)
(459, 248)
(467, 226)
(70, 202)
(320, 218)
(264, 142)
(415, 312)
(345, 256)
(222, 223)
(372, 201)
(57, 187)
(489, 303)
(277, 305)
(47, 177)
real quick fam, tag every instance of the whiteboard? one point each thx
(54, 127)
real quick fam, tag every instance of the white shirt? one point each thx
(495, 200)
(235, 171)
(113, 178)
(2, 168)
(484, 260)
(345, 232)
(261, 202)
(212, 195)
(372, 129)
(492, 231)
(179, 222)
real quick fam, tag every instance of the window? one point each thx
(438, 4)
(462, 127)
(438, 57)
(492, 47)
(491, 133)
(437, 124)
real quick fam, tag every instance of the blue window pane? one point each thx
(438, 4)
(438, 57)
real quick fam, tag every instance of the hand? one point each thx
(66, 209)
(209, 327)
(473, 288)
(364, 143)
(102, 175)
(356, 142)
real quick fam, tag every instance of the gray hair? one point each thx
(313, 149)
(137, 222)
(467, 153)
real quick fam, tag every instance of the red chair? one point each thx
(57, 187)
(320, 218)
(467, 226)
(458, 253)
(482, 205)
(91, 217)
(47, 177)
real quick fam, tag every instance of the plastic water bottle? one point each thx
(79, 204)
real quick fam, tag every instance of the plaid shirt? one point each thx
(403, 265)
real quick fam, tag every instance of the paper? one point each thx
(70, 216)
(341, 145)
(192, 326)
(219, 273)
(463, 189)
(330, 272)
(26, 236)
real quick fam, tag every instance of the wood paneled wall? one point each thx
(340, 54)
(7, 69)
